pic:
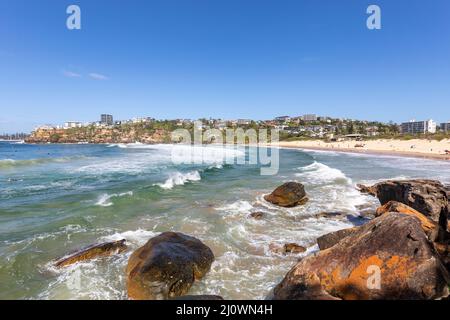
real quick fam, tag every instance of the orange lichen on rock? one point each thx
(428, 225)
(394, 245)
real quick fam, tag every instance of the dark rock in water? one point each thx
(288, 195)
(331, 215)
(388, 258)
(288, 248)
(199, 297)
(167, 266)
(293, 248)
(330, 239)
(92, 252)
(355, 220)
(428, 197)
(257, 215)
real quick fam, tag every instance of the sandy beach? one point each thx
(420, 148)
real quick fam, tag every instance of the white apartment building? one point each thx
(416, 127)
(445, 126)
(72, 124)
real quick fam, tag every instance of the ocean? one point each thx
(57, 198)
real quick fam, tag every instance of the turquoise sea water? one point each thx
(57, 198)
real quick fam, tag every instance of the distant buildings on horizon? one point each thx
(425, 126)
(318, 124)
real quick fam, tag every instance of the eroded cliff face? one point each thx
(99, 135)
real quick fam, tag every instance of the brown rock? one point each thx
(288, 248)
(257, 215)
(430, 227)
(167, 266)
(199, 297)
(443, 249)
(428, 197)
(309, 289)
(394, 243)
(288, 195)
(92, 252)
(328, 240)
(293, 248)
(367, 190)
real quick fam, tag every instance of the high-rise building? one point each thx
(106, 119)
(310, 117)
(415, 127)
(283, 119)
(445, 126)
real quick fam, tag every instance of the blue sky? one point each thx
(222, 58)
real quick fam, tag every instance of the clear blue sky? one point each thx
(222, 58)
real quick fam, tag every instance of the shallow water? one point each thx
(57, 198)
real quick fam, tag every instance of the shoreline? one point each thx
(331, 147)
(316, 146)
(375, 152)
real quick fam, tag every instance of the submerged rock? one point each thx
(257, 215)
(293, 248)
(288, 248)
(92, 252)
(334, 214)
(388, 258)
(288, 195)
(167, 266)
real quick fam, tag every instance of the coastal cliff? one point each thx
(118, 134)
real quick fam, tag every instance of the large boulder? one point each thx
(426, 196)
(288, 195)
(167, 266)
(393, 246)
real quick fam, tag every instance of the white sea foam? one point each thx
(143, 157)
(105, 199)
(238, 207)
(320, 173)
(178, 178)
(136, 237)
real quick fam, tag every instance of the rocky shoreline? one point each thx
(403, 252)
(99, 135)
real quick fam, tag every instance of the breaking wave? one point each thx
(178, 178)
(319, 173)
(105, 199)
